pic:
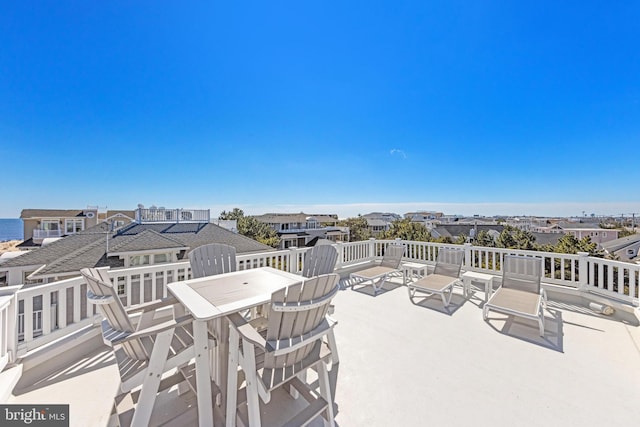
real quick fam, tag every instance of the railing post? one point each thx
(293, 259)
(340, 248)
(467, 256)
(11, 328)
(372, 248)
(583, 270)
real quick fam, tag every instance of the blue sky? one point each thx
(484, 107)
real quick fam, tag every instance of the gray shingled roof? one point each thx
(88, 248)
(617, 244)
(276, 218)
(145, 240)
(50, 213)
(453, 231)
(547, 238)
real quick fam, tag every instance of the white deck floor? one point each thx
(414, 365)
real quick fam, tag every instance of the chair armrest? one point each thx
(153, 305)
(332, 322)
(155, 329)
(246, 330)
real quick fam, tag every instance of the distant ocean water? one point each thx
(11, 229)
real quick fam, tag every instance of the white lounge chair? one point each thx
(520, 293)
(146, 350)
(292, 344)
(214, 258)
(378, 275)
(445, 276)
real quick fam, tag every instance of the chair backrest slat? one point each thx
(211, 259)
(449, 262)
(392, 256)
(320, 259)
(522, 273)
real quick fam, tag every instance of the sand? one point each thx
(9, 246)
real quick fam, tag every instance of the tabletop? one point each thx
(214, 296)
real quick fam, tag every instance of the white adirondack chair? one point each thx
(214, 258)
(292, 344)
(320, 259)
(378, 275)
(146, 350)
(520, 293)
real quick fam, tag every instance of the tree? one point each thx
(569, 244)
(235, 214)
(624, 232)
(358, 228)
(485, 239)
(405, 229)
(252, 228)
(516, 238)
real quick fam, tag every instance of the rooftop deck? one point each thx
(406, 364)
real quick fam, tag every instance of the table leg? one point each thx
(221, 327)
(203, 377)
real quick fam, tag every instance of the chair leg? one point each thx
(376, 289)
(253, 399)
(541, 321)
(232, 377)
(541, 325)
(333, 347)
(149, 391)
(448, 298)
(325, 392)
(411, 291)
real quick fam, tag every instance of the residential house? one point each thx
(581, 230)
(423, 216)
(154, 238)
(118, 218)
(377, 222)
(300, 229)
(469, 231)
(40, 224)
(624, 248)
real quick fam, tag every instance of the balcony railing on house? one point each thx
(39, 234)
(34, 316)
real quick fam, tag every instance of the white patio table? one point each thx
(212, 298)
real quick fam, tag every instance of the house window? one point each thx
(49, 224)
(139, 260)
(160, 258)
(72, 226)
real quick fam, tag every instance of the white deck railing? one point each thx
(39, 234)
(44, 313)
(5, 305)
(172, 215)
